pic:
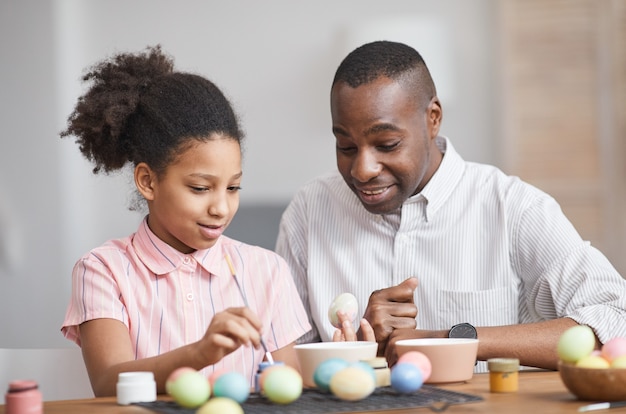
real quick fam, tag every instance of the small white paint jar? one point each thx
(133, 387)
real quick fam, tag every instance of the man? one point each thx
(440, 246)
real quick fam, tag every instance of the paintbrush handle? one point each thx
(602, 406)
(268, 355)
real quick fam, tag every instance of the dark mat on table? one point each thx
(313, 401)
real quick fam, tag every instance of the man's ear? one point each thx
(434, 115)
(144, 180)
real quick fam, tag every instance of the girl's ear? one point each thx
(434, 116)
(145, 179)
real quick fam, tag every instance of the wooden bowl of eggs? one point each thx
(592, 375)
(594, 384)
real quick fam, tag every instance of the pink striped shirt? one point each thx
(167, 299)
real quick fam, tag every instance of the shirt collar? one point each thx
(444, 180)
(161, 258)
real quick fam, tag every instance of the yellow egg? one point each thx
(220, 405)
(619, 362)
(352, 384)
(592, 361)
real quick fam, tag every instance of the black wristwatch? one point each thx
(463, 330)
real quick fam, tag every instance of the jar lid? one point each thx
(503, 364)
(377, 362)
(22, 386)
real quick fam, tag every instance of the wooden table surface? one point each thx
(539, 392)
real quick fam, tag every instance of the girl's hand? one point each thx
(347, 333)
(229, 330)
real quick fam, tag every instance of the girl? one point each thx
(144, 302)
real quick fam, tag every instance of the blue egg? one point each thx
(406, 378)
(325, 371)
(232, 385)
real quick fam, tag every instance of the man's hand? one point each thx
(389, 309)
(398, 334)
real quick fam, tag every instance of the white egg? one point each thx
(345, 302)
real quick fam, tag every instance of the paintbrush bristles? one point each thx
(232, 272)
(230, 264)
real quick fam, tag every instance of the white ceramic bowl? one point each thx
(452, 359)
(312, 354)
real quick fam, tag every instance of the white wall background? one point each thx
(275, 59)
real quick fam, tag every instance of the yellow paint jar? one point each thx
(503, 374)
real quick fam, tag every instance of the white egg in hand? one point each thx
(346, 303)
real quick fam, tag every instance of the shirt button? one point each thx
(186, 260)
(189, 297)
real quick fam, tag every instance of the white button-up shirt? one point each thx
(487, 249)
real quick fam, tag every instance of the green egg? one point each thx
(190, 389)
(575, 343)
(282, 385)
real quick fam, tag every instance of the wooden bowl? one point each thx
(594, 384)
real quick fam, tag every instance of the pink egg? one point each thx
(614, 348)
(178, 372)
(419, 360)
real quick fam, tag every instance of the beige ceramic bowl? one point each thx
(594, 384)
(452, 359)
(312, 354)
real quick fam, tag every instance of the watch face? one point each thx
(462, 330)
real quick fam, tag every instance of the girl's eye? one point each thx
(234, 188)
(198, 189)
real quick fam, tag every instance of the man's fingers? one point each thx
(367, 332)
(400, 293)
(410, 285)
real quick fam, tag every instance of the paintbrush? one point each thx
(602, 406)
(268, 355)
